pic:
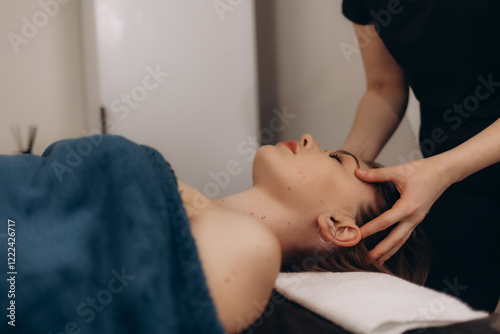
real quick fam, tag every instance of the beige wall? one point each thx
(85, 54)
(200, 108)
(41, 71)
(303, 68)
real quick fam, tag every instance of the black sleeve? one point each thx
(356, 11)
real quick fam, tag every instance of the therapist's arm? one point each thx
(384, 102)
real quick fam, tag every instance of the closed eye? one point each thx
(336, 155)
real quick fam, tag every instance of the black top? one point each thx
(450, 52)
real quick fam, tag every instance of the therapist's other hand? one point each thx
(420, 183)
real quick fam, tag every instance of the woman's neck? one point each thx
(263, 207)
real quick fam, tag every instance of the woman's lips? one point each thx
(292, 145)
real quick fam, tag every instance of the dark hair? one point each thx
(410, 262)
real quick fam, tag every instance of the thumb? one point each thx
(374, 175)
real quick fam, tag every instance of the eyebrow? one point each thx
(351, 155)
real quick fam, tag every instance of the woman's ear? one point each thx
(325, 231)
(347, 233)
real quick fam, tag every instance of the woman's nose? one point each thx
(308, 142)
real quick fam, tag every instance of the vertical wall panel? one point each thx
(181, 76)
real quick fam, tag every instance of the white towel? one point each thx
(363, 302)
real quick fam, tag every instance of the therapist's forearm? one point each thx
(379, 114)
(479, 152)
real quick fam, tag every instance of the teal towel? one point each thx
(102, 243)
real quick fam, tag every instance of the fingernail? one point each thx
(362, 171)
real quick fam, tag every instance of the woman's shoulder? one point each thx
(250, 231)
(248, 239)
(238, 237)
(221, 223)
(241, 258)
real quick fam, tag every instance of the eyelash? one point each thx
(337, 156)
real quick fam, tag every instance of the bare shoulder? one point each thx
(241, 258)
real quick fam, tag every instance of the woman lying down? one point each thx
(102, 238)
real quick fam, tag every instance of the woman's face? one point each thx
(311, 180)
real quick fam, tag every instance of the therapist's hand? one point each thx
(420, 183)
